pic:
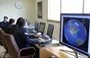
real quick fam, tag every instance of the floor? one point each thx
(2, 52)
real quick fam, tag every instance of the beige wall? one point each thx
(7, 8)
(28, 11)
(45, 17)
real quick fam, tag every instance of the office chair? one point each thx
(41, 27)
(14, 51)
(37, 26)
(50, 30)
(1, 42)
(48, 37)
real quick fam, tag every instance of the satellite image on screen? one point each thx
(75, 32)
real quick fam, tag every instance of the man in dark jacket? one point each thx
(4, 23)
(10, 23)
(22, 39)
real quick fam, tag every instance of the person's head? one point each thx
(11, 21)
(20, 22)
(27, 23)
(5, 18)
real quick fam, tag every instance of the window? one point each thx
(54, 10)
(72, 6)
(86, 5)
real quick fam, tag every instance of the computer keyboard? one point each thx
(44, 38)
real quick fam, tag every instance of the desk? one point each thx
(49, 50)
(46, 52)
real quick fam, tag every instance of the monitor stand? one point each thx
(74, 51)
(76, 54)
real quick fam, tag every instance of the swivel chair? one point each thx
(14, 51)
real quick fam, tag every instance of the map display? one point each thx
(75, 32)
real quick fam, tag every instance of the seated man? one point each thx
(30, 30)
(4, 23)
(10, 23)
(23, 40)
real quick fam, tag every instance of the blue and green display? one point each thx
(75, 32)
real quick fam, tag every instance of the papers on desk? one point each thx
(65, 48)
(55, 41)
(43, 39)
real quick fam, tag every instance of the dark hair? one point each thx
(11, 21)
(5, 17)
(20, 22)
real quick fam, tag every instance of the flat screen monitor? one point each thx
(41, 27)
(75, 32)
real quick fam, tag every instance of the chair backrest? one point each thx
(50, 30)
(10, 43)
(1, 38)
(41, 27)
(37, 26)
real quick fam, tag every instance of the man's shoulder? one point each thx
(2, 22)
(13, 26)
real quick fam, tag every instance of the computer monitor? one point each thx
(41, 27)
(75, 32)
(50, 30)
(37, 26)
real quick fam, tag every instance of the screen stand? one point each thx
(76, 54)
(74, 51)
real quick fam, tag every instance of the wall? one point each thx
(86, 6)
(66, 7)
(45, 17)
(7, 8)
(70, 6)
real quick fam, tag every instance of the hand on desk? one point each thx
(36, 35)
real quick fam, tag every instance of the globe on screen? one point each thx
(75, 32)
